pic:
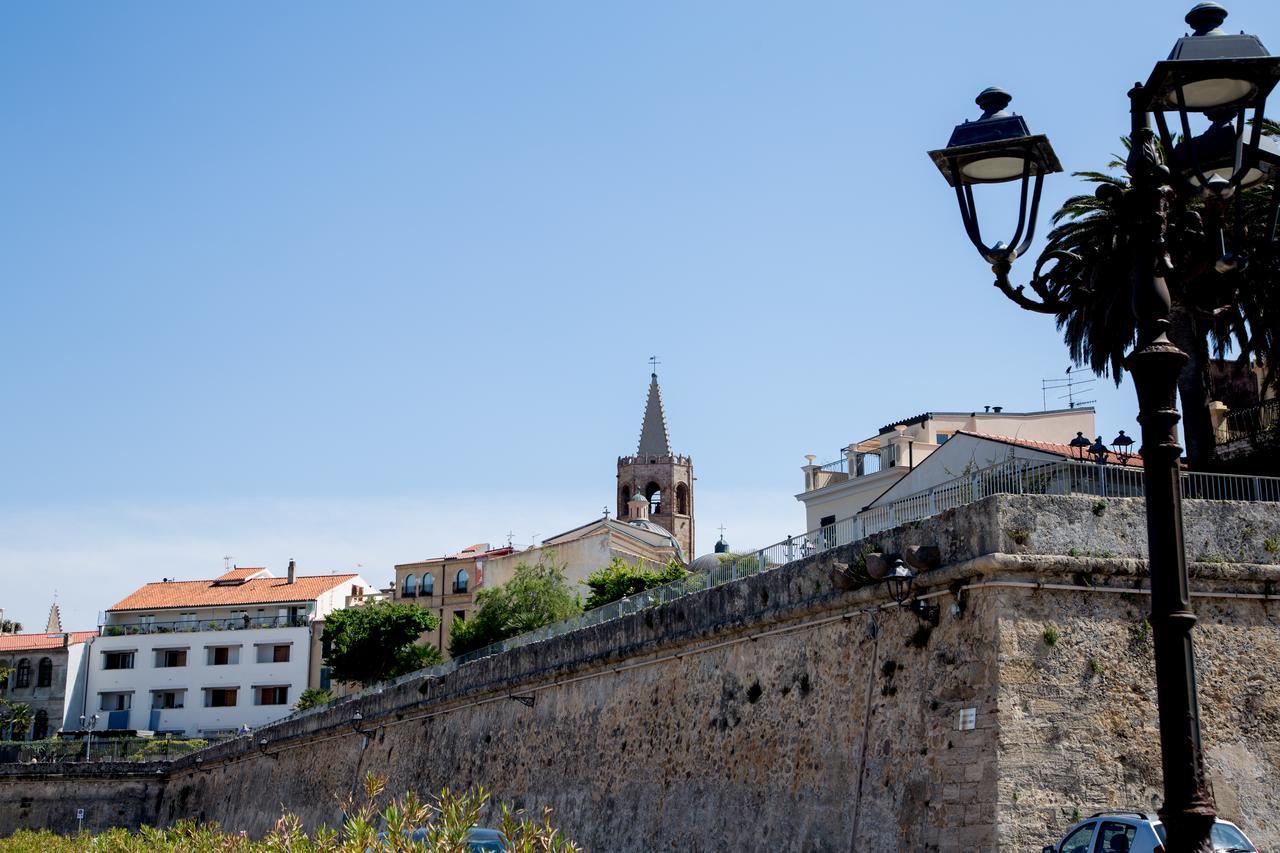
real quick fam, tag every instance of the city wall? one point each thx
(785, 712)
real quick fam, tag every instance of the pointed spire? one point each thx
(55, 620)
(653, 432)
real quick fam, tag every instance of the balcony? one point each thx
(186, 626)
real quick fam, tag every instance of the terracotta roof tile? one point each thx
(1064, 450)
(32, 642)
(240, 574)
(168, 594)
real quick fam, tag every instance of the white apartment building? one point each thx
(206, 657)
(868, 469)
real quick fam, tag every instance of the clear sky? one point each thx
(361, 283)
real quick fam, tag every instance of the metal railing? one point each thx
(1250, 422)
(180, 626)
(1009, 477)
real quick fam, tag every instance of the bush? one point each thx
(379, 641)
(536, 595)
(621, 578)
(445, 820)
(313, 697)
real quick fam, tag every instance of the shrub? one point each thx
(621, 578)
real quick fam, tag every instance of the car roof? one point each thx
(482, 833)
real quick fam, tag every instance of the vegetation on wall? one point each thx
(406, 823)
(313, 697)
(378, 641)
(621, 578)
(536, 595)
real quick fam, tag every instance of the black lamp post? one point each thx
(1079, 445)
(1122, 447)
(1223, 76)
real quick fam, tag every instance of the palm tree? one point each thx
(1215, 307)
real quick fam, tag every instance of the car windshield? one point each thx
(1226, 839)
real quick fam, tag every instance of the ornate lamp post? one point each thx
(1223, 76)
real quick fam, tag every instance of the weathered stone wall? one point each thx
(780, 713)
(39, 796)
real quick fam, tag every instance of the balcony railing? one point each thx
(1249, 423)
(180, 626)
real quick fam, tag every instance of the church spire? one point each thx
(653, 432)
(55, 620)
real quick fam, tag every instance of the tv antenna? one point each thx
(1074, 386)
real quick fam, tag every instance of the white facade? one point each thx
(239, 654)
(869, 468)
(215, 681)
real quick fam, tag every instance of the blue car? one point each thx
(479, 839)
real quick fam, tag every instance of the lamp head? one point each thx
(1211, 68)
(996, 147)
(900, 580)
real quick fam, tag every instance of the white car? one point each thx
(1134, 832)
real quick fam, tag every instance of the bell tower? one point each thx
(663, 478)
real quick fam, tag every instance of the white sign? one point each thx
(79, 814)
(968, 719)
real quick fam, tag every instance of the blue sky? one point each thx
(355, 284)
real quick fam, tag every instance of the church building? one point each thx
(663, 478)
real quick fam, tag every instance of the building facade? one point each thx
(446, 586)
(207, 657)
(42, 673)
(867, 469)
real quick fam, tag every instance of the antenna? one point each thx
(226, 562)
(1072, 385)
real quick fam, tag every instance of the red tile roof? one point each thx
(238, 574)
(1064, 450)
(32, 642)
(169, 594)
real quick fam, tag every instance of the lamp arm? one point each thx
(1047, 302)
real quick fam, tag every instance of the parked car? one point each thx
(1134, 832)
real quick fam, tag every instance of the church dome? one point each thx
(705, 563)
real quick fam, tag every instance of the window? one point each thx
(682, 499)
(219, 697)
(171, 657)
(41, 729)
(654, 494)
(22, 677)
(460, 615)
(1078, 841)
(410, 585)
(168, 699)
(223, 655)
(1110, 831)
(117, 660)
(273, 696)
(624, 504)
(115, 701)
(942, 437)
(1226, 837)
(326, 677)
(44, 674)
(460, 581)
(273, 654)
(827, 521)
(428, 587)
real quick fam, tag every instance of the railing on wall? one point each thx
(1015, 476)
(1250, 422)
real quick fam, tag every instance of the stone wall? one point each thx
(39, 796)
(782, 713)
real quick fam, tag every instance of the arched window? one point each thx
(41, 730)
(23, 676)
(460, 581)
(624, 506)
(682, 499)
(654, 494)
(428, 585)
(44, 673)
(410, 586)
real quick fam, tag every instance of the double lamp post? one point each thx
(1223, 77)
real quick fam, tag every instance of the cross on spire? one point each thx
(721, 529)
(653, 364)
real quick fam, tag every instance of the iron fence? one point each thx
(1250, 422)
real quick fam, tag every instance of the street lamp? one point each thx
(1223, 76)
(1079, 445)
(1122, 447)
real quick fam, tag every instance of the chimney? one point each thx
(997, 409)
(291, 570)
(988, 408)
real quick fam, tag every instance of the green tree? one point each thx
(536, 595)
(8, 626)
(378, 641)
(313, 697)
(621, 578)
(1215, 307)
